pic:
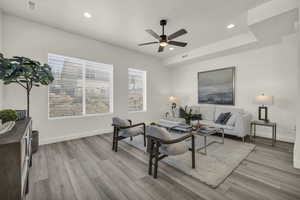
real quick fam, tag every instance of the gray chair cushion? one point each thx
(174, 149)
(159, 132)
(120, 122)
(130, 132)
(167, 149)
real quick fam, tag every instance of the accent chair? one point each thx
(124, 128)
(161, 144)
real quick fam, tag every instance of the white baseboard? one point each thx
(73, 136)
(297, 164)
(285, 138)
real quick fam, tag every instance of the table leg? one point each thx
(273, 135)
(254, 133)
(222, 136)
(250, 137)
(205, 152)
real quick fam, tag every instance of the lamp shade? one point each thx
(264, 100)
(172, 99)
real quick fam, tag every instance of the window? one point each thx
(136, 90)
(80, 87)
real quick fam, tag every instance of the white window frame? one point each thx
(111, 102)
(144, 90)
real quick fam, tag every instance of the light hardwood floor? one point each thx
(87, 169)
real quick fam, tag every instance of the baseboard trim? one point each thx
(297, 164)
(73, 136)
(288, 137)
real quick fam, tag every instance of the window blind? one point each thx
(136, 90)
(80, 87)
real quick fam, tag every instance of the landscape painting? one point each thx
(216, 86)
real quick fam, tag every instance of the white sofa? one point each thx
(238, 124)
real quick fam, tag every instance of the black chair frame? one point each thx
(117, 129)
(154, 145)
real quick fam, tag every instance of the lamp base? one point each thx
(263, 113)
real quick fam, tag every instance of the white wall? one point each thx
(272, 70)
(297, 143)
(1, 41)
(25, 38)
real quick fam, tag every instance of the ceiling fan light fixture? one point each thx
(163, 44)
(165, 40)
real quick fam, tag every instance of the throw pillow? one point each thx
(228, 115)
(220, 118)
(232, 120)
(223, 118)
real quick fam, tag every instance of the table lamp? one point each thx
(263, 100)
(172, 100)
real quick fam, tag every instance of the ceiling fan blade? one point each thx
(151, 32)
(147, 43)
(160, 49)
(177, 34)
(175, 43)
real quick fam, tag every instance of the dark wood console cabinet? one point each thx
(15, 158)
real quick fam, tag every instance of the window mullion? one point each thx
(83, 88)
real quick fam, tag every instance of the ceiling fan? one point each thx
(164, 40)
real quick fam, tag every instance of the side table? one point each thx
(273, 125)
(205, 132)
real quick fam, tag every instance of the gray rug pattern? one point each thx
(211, 169)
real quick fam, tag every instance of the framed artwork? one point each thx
(217, 86)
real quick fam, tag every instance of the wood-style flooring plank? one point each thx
(87, 168)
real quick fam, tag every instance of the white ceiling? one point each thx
(122, 22)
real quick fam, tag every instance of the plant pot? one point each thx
(6, 127)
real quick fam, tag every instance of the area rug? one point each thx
(211, 169)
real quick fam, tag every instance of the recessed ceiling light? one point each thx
(230, 26)
(87, 15)
(171, 48)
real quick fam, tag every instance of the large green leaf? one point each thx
(25, 70)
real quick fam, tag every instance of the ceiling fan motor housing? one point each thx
(163, 22)
(163, 38)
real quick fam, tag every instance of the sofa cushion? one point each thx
(232, 120)
(195, 109)
(204, 122)
(207, 112)
(225, 127)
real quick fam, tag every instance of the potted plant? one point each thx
(26, 73)
(7, 120)
(8, 116)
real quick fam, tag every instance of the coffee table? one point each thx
(177, 126)
(208, 131)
